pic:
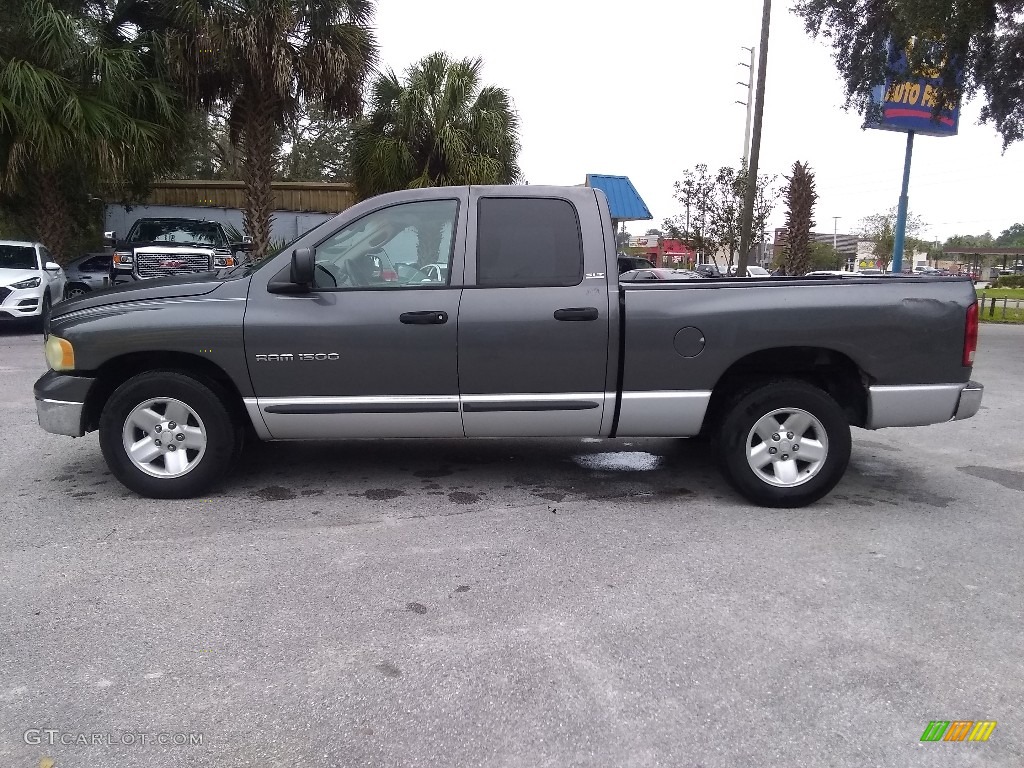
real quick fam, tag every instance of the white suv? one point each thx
(30, 280)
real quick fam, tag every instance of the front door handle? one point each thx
(576, 313)
(424, 318)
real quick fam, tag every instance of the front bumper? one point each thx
(24, 302)
(60, 402)
(60, 418)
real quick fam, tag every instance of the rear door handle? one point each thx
(577, 314)
(424, 318)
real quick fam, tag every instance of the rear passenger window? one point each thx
(528, 242)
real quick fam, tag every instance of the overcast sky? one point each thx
(648, 88)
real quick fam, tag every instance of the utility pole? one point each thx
(755, 147)
(835, 232)
(749, 103)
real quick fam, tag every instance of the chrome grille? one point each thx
(164, 264)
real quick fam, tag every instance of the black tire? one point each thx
(74, 290)
(223, 442)
(812, 480)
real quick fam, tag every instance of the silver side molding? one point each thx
(672, 413)
(913, 405)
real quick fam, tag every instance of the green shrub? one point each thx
(1010, 281)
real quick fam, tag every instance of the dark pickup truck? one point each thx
(528, 333)
(161, 247)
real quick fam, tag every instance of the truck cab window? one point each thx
(403, 246)
(528, 242)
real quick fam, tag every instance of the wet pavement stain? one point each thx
(1008, 478)
(312, 493)
(462, 497)
(275, 493)
(383, 494)
(419, 608)
(82, 494)
(388, 669)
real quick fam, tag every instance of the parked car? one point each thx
(752, 271)
(90, 272)
(159, 247)
(30, 280)
(628, 263)
(830, 273)
(707, 270)
(534, 336)
(660, 273)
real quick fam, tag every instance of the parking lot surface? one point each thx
(513, 603)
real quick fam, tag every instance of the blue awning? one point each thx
(623, 199)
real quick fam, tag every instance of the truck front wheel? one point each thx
(166, 435)
(784, 443)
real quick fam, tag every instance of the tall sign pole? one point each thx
(908, 103)
(747, 220)
(901, 212)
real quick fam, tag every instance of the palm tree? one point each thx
(77, 111)
(800, 199)
(436, 127)
(264, 59)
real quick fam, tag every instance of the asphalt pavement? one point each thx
(513, 602)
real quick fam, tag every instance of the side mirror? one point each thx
(109, 239)
(303, 267)
(51, 266)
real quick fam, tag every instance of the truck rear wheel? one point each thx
(166, 435)
(784, 443)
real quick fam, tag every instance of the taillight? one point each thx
(971, 335)
(388, 275)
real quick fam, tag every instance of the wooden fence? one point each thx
(324, 197)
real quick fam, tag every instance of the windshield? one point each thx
(17, 257)
(179, 232)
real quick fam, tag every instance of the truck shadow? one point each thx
(545, 469)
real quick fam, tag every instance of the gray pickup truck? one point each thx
(527, 334)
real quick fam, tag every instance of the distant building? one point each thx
(662, 252)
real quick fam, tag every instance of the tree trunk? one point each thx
(52, 221)
(258, 141)
(428, 243)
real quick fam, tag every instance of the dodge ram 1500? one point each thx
(527, 333)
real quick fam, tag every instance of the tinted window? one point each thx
(528, 241)
(97, 264)
(17, 257)
(181, 232)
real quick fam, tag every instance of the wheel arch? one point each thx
(828, 369)
(114, 372)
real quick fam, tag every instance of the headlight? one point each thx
(60, 355)
(122, 257)
(32, 282)
(223, 261)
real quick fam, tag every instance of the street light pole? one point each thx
(749, 103)
(747, 221)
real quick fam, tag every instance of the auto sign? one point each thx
(172, 264)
